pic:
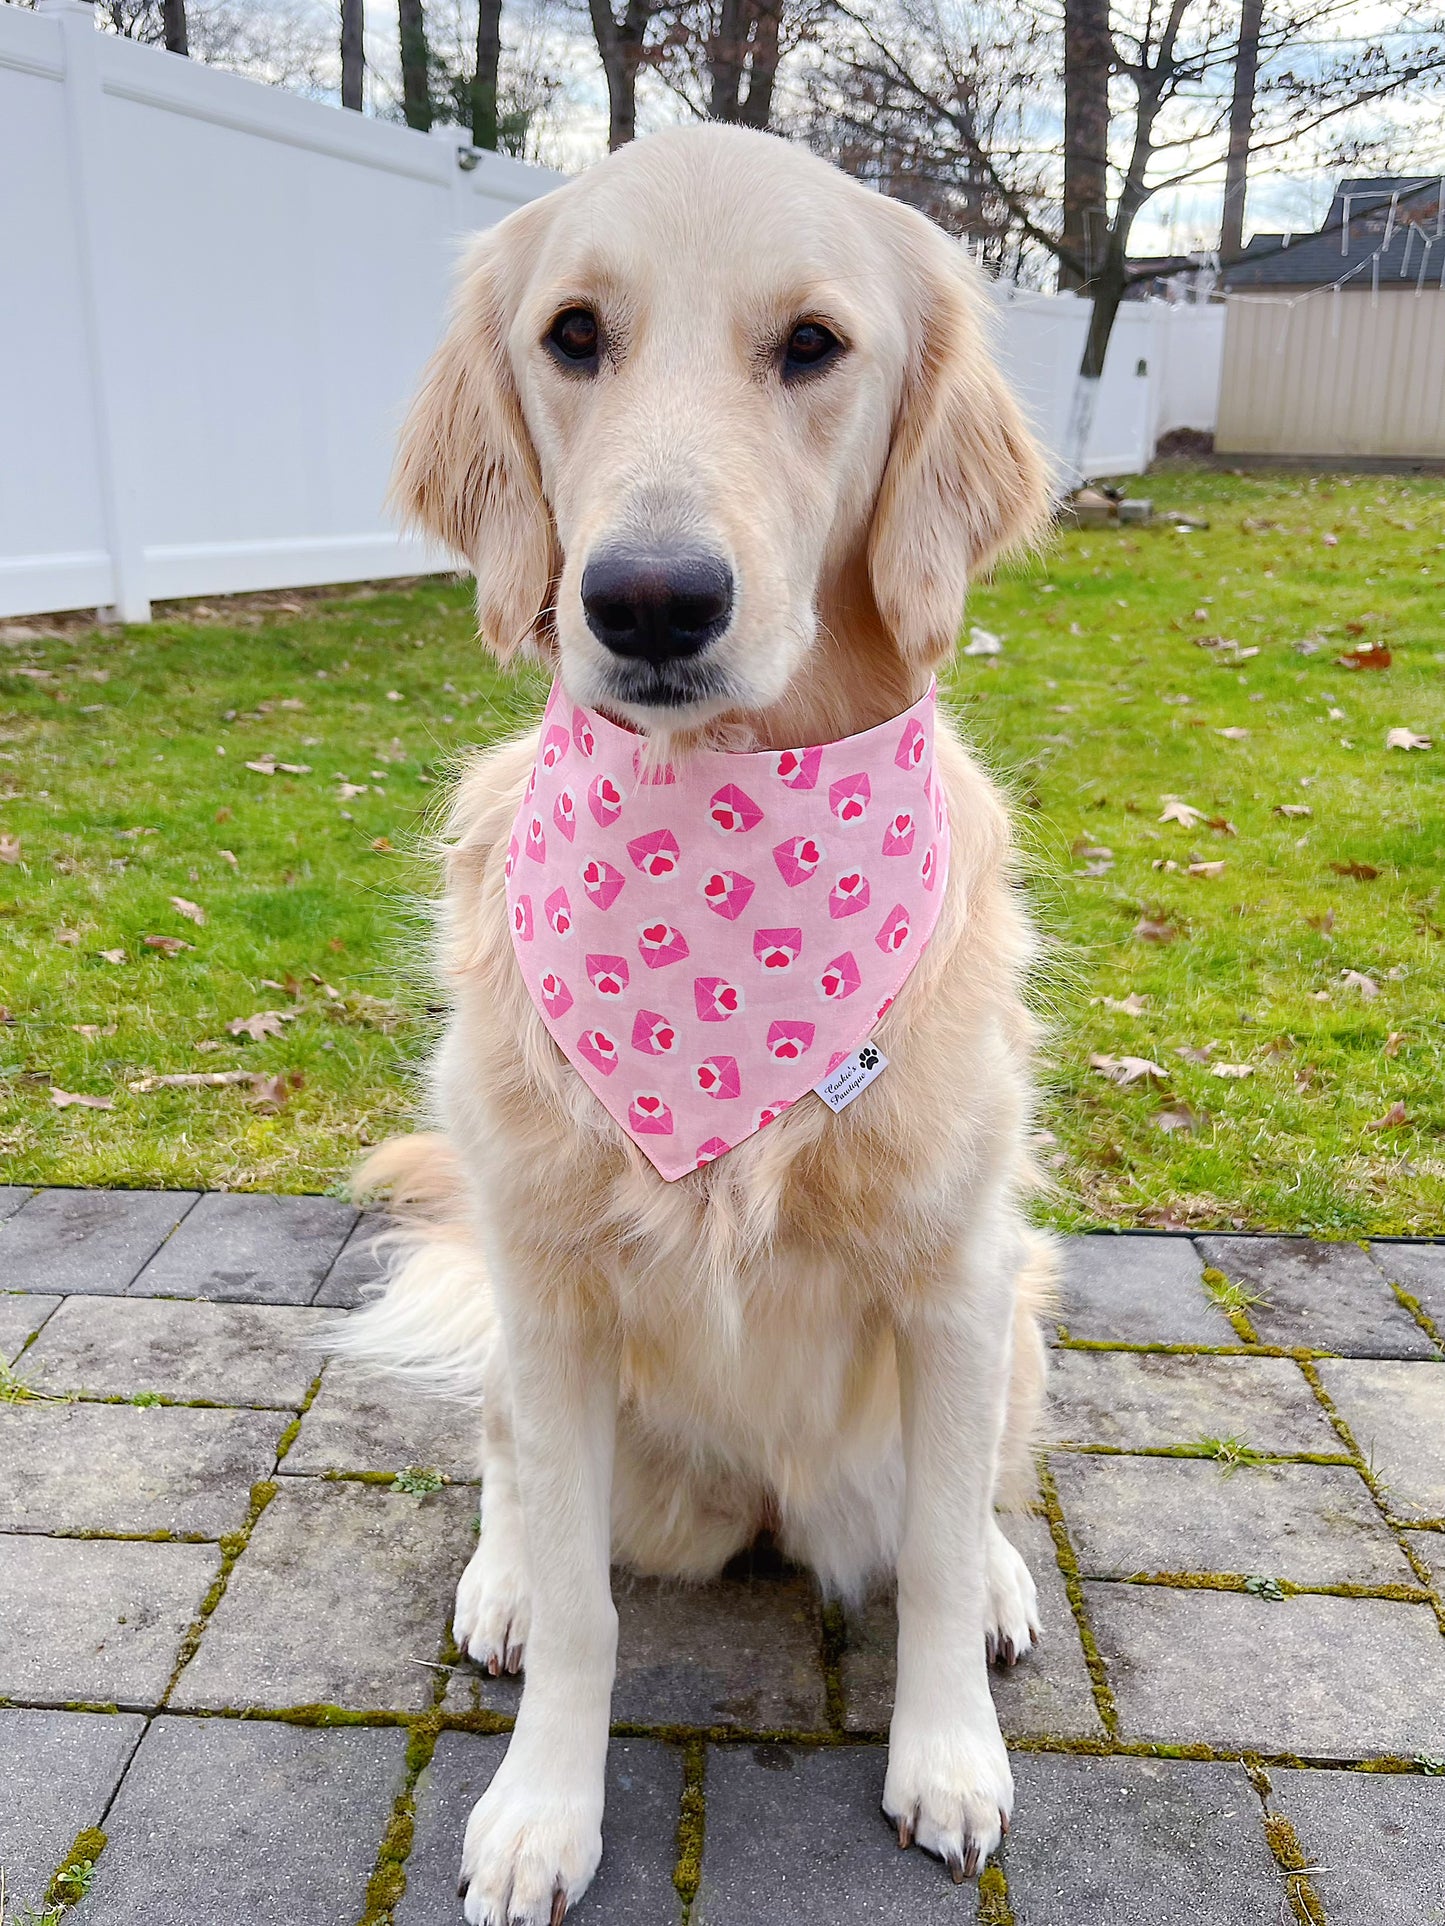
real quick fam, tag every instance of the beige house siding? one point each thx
(1336, 374)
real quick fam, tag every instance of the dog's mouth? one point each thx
(646, 689)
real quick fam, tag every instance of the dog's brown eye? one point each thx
(575, 335)
(809, 346)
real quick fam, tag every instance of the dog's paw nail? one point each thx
(970, 1862)
(955, 1868)
(559, 1906)
(1003, 1822)
(462, 1885)
(494, 1665)
(905, 1832)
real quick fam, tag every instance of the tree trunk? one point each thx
(1107, 290)
(619, 44)
(726, 52)
(484, 80)
(353, 59)
(415, 65)
(1241, 126)
(174, 18)
(757, 109)
(1088, 57)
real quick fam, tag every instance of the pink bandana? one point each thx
(708, 943)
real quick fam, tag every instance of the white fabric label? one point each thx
(852, 1076)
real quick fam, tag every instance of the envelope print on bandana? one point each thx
(727, 893)
(798, 859)
(718, 1077)
(733, 811)
(722, 929)
(659, 944)
(716, 999)
(653, 1035)
(777, 949)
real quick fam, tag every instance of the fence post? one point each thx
(96, 241)
(459, 158)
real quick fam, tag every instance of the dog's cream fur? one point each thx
(831, 1332)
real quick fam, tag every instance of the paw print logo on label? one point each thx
(604, 799)
(797, 859)
(653, 1035)
(555, 744)
(928, 868)
(660, 944)
(895, 932)
(798, 768)
(840, 978)
(608, 975)
(536, 844)
(564, 813)
(556, 997)
(912, 743)
(732, 811)
(559, 914)
(522, 919)
(868, 1058)
(788, 1039)
(777, 949)
(602, 882)
(898, 836)
(716, 999)
(849, 894)
(656, 853)
(849, 797)
(714, 1148)
(717, 1077)
(599, 1050)
(727, 893)
(582, 732)
(649, 1116)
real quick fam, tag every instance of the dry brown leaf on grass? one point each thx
(1393, 1119)
(270, 1093)
(63, 1099)
(1231, 1070)
(1207, 869)
(1393, 1042)
(382, 845)
(1127, 1070)
(9, 849)
(111, 956)
(228, 856)
(1324, 924)
(1369, 655)
(89, 1030)
(1396, 739)
(267, 765)
(1233, 734)
(1180, 1117)
(1191, 1053)
(265, 1023)
(1293, 809)
(1357, 980)
(184, 907)
(1175, 811)
(68, 937)
(167, 945)
(1362, 872)
(1155, 928)
(1131, 1005)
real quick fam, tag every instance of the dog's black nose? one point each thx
(656, 604)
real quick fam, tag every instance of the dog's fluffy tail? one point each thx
(1037, 1295)
(432, 1321)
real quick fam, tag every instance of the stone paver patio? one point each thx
(227, 1680)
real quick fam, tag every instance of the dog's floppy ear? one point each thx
(964, 479)
(466, 471)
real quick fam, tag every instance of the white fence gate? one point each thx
(215, 298)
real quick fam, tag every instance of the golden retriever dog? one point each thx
(758, 400)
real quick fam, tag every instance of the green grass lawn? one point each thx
(1309, 966)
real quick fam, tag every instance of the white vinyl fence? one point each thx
(215, 299)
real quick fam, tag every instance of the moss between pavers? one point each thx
(232, 1545)
(834, 1645)
(1233, 1300)
(1246, 1582)
(71, 1882)
(691, 1825)
(1284, 1844)
(1422, 1317)
(1073, 1585)
(993, 1906)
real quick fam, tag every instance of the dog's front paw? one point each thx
(493, 1611)
(528, 1855)
(949, 1789)
(1012, 1603)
